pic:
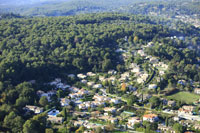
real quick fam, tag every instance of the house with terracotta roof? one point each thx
(186, 110)
(150, 117)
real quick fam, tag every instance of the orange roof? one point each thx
(150, 115)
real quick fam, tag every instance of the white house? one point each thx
(152, 86)
(135, 70)
(35, 109)
(115, 101)
(101, 78)
(133, 120)
(150, 117)
(140, 80)
(81, 76)
(90, 83)
(90, 74)
(141, 53)
(97, 86)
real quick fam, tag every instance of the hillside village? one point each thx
(120, 100)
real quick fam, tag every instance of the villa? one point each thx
(150, 117)
(35, 109)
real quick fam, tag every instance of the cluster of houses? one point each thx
(108, 113)
(98, 101)
(147, 117)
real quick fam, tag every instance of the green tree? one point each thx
(154, 101)
(178, 128)
(30, 127)
(13, 122)
(43, 101)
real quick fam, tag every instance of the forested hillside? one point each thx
(31, 48)
(44, 48)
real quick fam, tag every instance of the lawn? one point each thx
(184, 96)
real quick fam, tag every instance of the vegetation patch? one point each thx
(184, 97)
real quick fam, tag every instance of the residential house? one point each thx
(81, 76)
(146, 96)
(54, 119)
(90, 83)
(165, 129)
(150, 117)
(90, 74)
(115, 101)
(197, 90)
(197, 126)
(78, 123)
(171, 103)
(95, 113)
(73, 89)
(97, 86)
(133, 65)
(161, 72)
(84, 81)
(64, 102)
(112, 78)
(101, 98)
(112, 72)
(39, 93)
(186, 110)
(35, 109)
(55, 82)
(140, 80)
(101, 78)
(48, 94)
(83, 92)
(153, 60)
(74, 95)
(142, 77)
(176, 118)
(110, 109)
(141, 53)
(136, 69)
(133, 120)
(152, 86)
(71, 75)
(108, 118)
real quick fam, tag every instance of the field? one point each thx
(184, 96)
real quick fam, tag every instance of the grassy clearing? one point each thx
(185, 96)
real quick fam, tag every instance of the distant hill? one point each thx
(167, 8)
